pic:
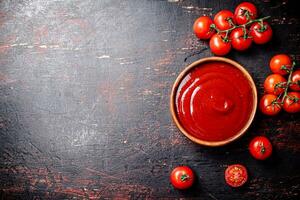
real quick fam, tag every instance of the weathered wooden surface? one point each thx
(84, 109)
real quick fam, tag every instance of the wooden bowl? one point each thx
(173, 99)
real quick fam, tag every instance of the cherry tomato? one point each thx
(236, 175)
(202, 27)
(278, 61)
(218, 45)
(291, 103)
(261, 35)
(224, 19)
(182, 177)
(274, 84)
(244, 12)
(260, 147)
(295, 80)
(238, 41)
(268, 106)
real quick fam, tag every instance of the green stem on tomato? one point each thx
(284, 95)
(225, 39)
(290, 71)
(245, 32)
(284, 67)
(227, 31)
(184, 177)
(263, 150)
(281, 97)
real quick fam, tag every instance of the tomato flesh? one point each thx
(236, 175)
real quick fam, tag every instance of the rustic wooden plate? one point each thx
(173, 104)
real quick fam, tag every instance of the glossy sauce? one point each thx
(214, 101)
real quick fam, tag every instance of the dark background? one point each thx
(84, 102)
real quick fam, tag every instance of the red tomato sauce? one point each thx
(214, 101)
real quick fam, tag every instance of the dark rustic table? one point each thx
(84, 104)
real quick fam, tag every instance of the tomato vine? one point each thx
(281, 97)
(243, 26)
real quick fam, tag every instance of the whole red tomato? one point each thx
(291, 103)
(182, 177)
(280, 61)
(202, 27)
(260, 148)
(244, 12)
(219, 45)
(261, 34)
(274, 84)
(224, 19)
(236, 175)
(295, 80)
(240, 40)
(268, 106)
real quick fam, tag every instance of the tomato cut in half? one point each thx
(236, 175)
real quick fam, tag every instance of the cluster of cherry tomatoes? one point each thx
(236, 175)
(231, 30)
(282, 88)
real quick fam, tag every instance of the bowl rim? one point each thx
(175, 86)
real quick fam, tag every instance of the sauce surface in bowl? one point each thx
(214, 101)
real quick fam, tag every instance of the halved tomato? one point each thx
(236, 175)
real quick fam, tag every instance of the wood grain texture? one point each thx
(84, 104)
